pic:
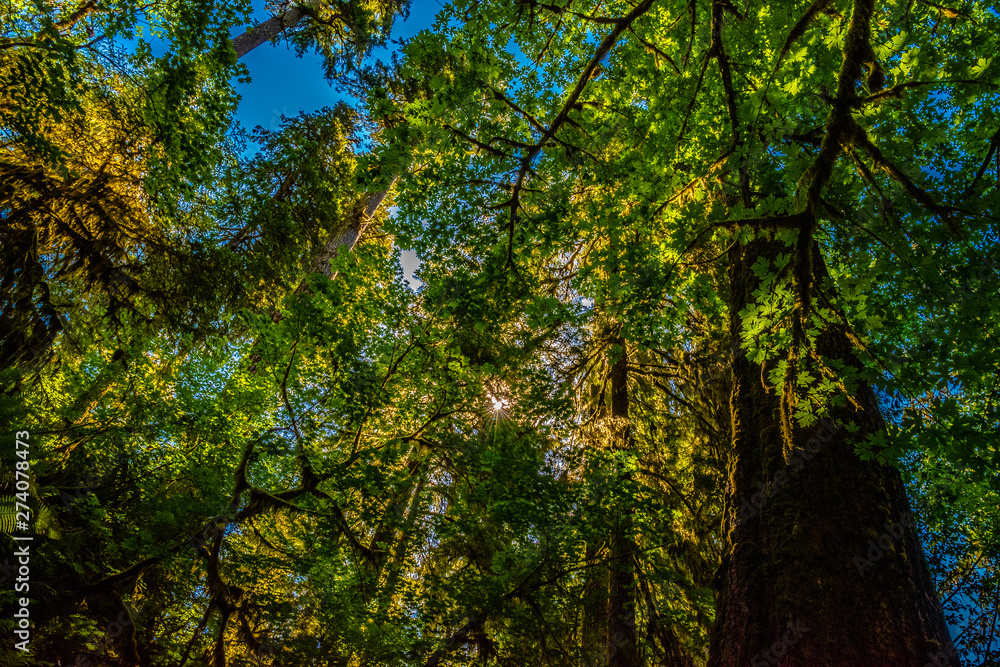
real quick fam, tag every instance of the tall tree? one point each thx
(623, 642)
(765, 185)
(99, 159)
(661, 200)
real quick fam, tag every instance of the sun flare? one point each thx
(498, 404)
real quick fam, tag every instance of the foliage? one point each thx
(247, 457)
(103, 148)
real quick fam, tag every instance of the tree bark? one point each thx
(594, 603)
(342, 240)
(623, 646)
(346, 239)
(821, 564)
(266, 31)
(402, 544)
(594, 630)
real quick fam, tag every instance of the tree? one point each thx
(105, 163)
(643, 410)
(767, 187)
(343, 32)
(100, 158)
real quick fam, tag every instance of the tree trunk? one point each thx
(266, 31)
(594, 624)
(594, 630)
(623, 647)
(344, 240)
(821, 564)
(341, 240)
(403, 505)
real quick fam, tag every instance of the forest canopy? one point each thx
(701, 368)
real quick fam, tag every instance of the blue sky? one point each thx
(281, 83)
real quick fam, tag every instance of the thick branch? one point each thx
(266, 31)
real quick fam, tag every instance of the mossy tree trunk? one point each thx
(821, 563)
(623, 647)
(594, 626)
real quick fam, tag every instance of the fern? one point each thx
(43, 520)
(7, 514)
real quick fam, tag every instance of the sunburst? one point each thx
(498, 405)
(499, 402)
